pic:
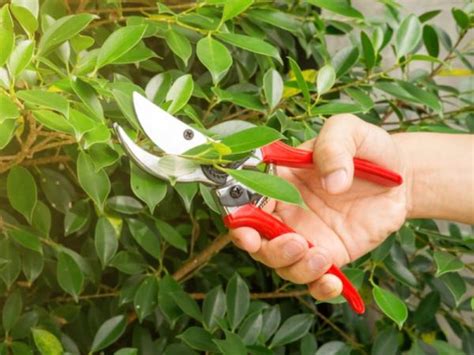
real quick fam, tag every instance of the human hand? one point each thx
(346, 217)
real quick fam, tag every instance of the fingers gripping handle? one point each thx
(268, 226)
(282, 154)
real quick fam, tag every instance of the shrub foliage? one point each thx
(96, 255)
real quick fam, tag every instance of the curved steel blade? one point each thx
(151, 163)
(167, 132)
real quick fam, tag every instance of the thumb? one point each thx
(335, 148)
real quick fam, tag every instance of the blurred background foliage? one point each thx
(98, 256)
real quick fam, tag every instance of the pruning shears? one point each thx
(240, 206)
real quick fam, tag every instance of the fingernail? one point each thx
(335, 181)
(317, 262)
(328, 288)
(292, 249)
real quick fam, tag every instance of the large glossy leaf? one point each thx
(391, 305)
(215, 57)
(272, 87)
(179, 44)
(268, 185)
(109, 332)
(408, 35)
(180, 93)
(46, 342)
(21, 57)
(292, 329)
(7, 42)
(20, 179)
(41, 98)
(214, 307)
(237, 300)
(119, 43)
(326, 79)
(69, 274)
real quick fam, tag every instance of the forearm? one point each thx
(440, 175)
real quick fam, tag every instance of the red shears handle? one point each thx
(282, 154)
(269, 227)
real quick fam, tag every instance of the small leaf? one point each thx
(95, 183)
(391, 305)
(180, 93)
(272, 87)
(340, 7)
(147, 188)
(187, 191)
(125, 204)
(368, 50)
(251, 139)
(88, 96)
(421, 95)
(53, 121)
(271, 321)
(251, 327)
(455, 284)
(232, 345)
(275, 18)
(199, 339)
(76, 217)
(300, 80)
(8, 109)
(45, 99)
(46, 342)
(345, 60)
(128, 262)
(446, 262)
(20, 179)
(427, 308)
(119, 43)
(171, 235)
(461, 18)
(234, 8)
(26, 19)
(26, 239)
(251, 44)
(179, 44)
(431, 41)
(69, 275)
(237, 300)
(361, 98)
(408, 35)
(292, 329)
(11, 310)
(268, 185)
(109, 332)
(146, 297)
(326, 79)
(7, 130)
(105, 241)
(145, 237)
(333, 108)
(182, 299)
(214, 307)
(215, 57)
(21, 57)
(62, 30)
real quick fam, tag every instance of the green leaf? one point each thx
(88, 96)
(214, 307)
(214, 56)
(180, 93)
(179, 44)
(45, 99)
(105, 241)
(21, 57)
(170, 234)
(232, 345)
(461, 18)
(76, 217)
(62, 30)
(386, 342)
(250, 101)
(32, 264)
(272, 88)
(10, 271)
(455, 284)
(145, 237)
(429, 15)
(368, 50)
(408, 35)
(128, 262)
(251, 139)
(333, 108)
(46, 342)
(345, 60)
(41, 220)
(326, 79)
(125, 204)
(69, 274)
(26, 19)
(26, 239)
(7, 42)
(53, 121)
(391, 305)
(292, 329)
(6, 22)
(237, 300)
(268, 185)
(427, 308)
(11, 310)
(109, 332)
(119, 43)
(8, 109)
(251, 44)
(422, 95)
(275, 18)
(146, 297)
(446, 262)
(251, 327)
(147, 188)
(184, 301)
(95, 183)
(20, 179)
(341, 7)
(187, 191)
(7, 130)
(361, 98)
(234, 8)
(430, 40)
(199, 339)
(300, 80)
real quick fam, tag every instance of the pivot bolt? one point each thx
(188, 134)
(236, 191)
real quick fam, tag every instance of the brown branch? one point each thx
(203, 257)
(47, 160)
